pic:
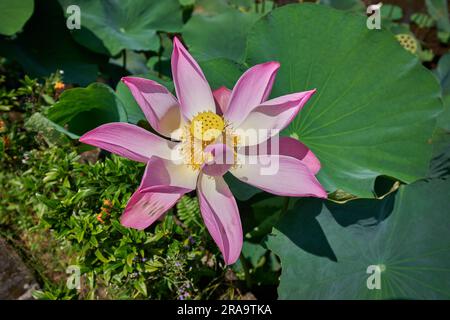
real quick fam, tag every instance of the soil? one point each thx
(16, 279)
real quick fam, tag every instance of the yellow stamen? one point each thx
(205, 129)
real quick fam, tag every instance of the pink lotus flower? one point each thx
(217, 123)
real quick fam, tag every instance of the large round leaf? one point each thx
(126, 24)
(402, 243)
(45, 45)
(353, 5)
(375, 107)
(443, 74)
(222, 72)
(440, 165)
(14, 14)
(209, 8)
(219, 36)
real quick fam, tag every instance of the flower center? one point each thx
(205, 129)
(207, 126)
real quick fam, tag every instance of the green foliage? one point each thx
(46, 46)
(222, 72)
(391, 12)
(326, 249)
(131, 61)
(443, 74)
(52, 133)
(83, 109)
(348, 5)
(186, 2)
(357, 123)
(189, 211)
(263, 266)
(17, 105)
(111, 252)
(422, 20)
(10, 99)
(57, 201)
(14, 14)
(130, 24)
(265, 214)
(440, 165)
(438, 9)
(72, 198)
(206, 38)
(242, 191)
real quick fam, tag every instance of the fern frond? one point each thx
(188, 210)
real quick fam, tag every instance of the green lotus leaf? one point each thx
(45, 46)
(222, 72)
(14, 14)
(218, 36)
(375, 107)
(395, 248)
(353, 5)
(126, 24)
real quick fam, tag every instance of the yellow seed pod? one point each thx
(207, 126)
(408, 42)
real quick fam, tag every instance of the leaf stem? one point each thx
(285, 206)
(124, 59)
(246, 266)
